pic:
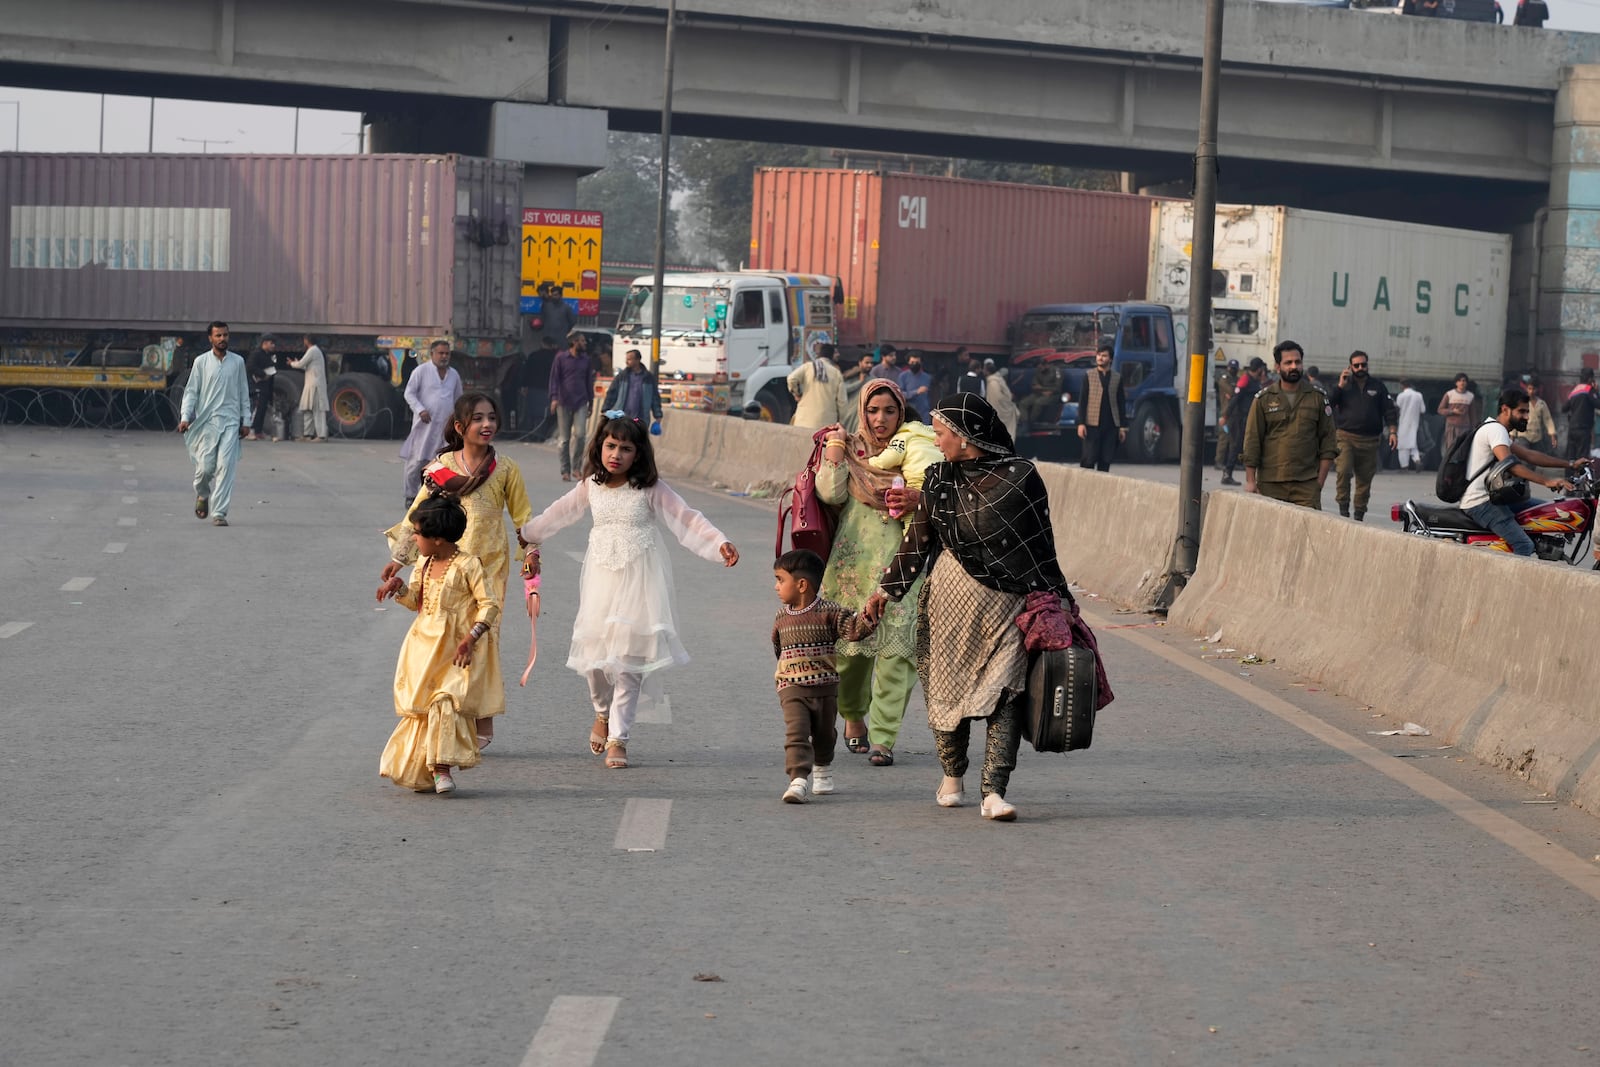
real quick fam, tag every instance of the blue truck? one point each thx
(1149, 341)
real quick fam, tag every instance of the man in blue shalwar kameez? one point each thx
(215, 417)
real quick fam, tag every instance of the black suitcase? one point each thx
(1058, 711)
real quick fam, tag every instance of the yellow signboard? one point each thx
(563, 247)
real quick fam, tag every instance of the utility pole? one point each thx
(1186, 545)
(297, 131)
(205, 143)
(102, 123)
(657, 295)
(150, 143)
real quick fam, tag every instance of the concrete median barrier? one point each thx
(1490, 652)
(733, 452)
(1112, 533)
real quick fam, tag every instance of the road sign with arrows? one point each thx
(562, 246)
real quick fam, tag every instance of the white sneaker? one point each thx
(996, 808)
(822, 780)
(443, 783)
(796, 793)
(951, 793)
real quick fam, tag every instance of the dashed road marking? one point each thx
(129, 467)
(117, 546)
(130, 500)
(127, 520)
(131, 483)
(572, 1032)
(576, 557)
(644, 825)
(12, 629)
(76, 585)
(656, 712)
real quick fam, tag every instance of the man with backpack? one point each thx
(1490, 444)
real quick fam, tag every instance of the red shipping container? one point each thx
(933, 263)
(383, 244)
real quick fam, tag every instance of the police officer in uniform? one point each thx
(1289, 440)
(1363, 410)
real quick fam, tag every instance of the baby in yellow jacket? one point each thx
(911, 451)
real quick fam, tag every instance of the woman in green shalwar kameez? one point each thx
(875, 675)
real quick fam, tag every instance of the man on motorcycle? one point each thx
(1492, 443)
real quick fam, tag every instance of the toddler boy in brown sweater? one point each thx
(803, 638)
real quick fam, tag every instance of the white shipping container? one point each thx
(1425, 302)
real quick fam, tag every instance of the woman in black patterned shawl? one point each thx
(982, 534)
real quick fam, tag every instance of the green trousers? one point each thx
(1308, 494)
(876, 688)
(1358, 461)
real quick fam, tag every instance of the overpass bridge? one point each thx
(1425, 120)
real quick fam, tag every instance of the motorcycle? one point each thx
(1561, 529)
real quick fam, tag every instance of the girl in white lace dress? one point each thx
(627, 627)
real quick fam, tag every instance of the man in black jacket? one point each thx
(1238, 410)
(1362, 412)
(259, 369)
(1580, 409)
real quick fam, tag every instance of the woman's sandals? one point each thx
(597, 735)
(856, 743)
(616, 755)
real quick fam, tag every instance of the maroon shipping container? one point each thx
(380, 244)
(934, 263)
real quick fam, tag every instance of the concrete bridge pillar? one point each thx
(1568, 319)
(556, 145)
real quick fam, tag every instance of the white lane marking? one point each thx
(130, 500)
(129, 467)
(644, 825)
(576, 557)
(121, 455)
(12, 629)
(131, 483)
(657, 713)
(76, 585)
(117, 546)
(1581, 875)
(127, 521)
(572, 1032)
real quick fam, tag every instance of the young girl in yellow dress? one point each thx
(449, 669)
(488, 486)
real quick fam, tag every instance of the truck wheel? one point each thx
(361, 406)
(1145, 436)
(775, 403)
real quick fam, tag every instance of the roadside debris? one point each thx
(1410, 729)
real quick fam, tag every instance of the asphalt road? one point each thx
(202, 865)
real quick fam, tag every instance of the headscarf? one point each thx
(866, 483)
(439, 478)
(971, 416)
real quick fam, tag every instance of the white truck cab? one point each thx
(730, 339)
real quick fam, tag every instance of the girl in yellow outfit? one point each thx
(449, 670)
(488, 487)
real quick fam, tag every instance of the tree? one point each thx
(719, 177)
(627, 191)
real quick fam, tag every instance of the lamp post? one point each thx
(661, 202)
(1186, 545)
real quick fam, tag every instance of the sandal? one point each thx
(880, 757)
(616, 755)
(858, 742)
(597, 735)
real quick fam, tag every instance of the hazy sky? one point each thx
(71, 122)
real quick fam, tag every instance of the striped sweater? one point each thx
(804, 642)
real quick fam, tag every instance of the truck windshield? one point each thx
(1063, 331)
(688, 309)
